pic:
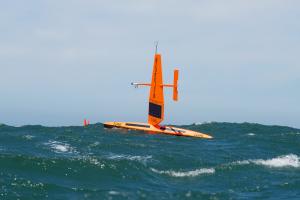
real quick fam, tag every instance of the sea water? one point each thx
(242, 161)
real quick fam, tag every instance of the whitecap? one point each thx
(95, 144)
(89, 160)
(112, 192)
(251, 134)
(28, 137)
(192, 173)
(241, 162)
(188, 194)
(290, 160)
(142, 159)
(202, 123)
(60, 147)
(294, 133)
(95, 161)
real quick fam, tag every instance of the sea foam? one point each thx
(192, 173)
(28, 137)
(142, 159)
(60, 147)
(290, 160)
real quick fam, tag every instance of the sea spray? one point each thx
(91, 162)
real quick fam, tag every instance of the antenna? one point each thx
(136, 85)
(156, 45)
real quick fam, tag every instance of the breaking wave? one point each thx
(192, 173)
(290, 160)
(60, 147)
(95, 163)
(142, 159)
(28, 137)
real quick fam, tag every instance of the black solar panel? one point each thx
(154, 110)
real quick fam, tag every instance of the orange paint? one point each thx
(156, 97)
(86, 122)
(175, 85)
(156, 106)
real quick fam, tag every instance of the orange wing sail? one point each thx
(156, 98)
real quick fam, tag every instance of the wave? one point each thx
(192, 173)
(60, 147)
(293, 133)
(142, 159)
(204, 124)
(28, 137)
(112, 192)
(93, 161)
(290, 160)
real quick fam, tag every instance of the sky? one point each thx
(65, 60)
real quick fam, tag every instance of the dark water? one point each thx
(243, 161)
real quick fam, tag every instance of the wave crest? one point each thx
(192, 173)
(290, 160)
(142, 159)
(60, 147)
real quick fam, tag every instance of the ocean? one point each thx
(242, 161)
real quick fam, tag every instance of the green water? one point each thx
(243, 161)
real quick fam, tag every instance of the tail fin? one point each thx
(175, 85)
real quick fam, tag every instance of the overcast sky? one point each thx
(65, 60)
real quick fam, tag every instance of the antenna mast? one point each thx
(156, 45)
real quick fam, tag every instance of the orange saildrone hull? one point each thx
(169, 130)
